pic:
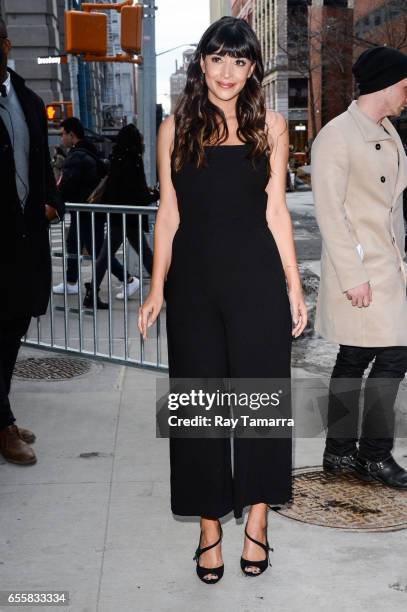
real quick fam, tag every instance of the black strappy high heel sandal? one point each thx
(205, 571)
(262, 565)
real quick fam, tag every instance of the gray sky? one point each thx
(177, 22)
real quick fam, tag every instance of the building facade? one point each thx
(285, 83)
(83, 84)
(308, 48)
(33, 31)
(36, 28)
(118, 82)
(331, 44)
(102, 94)
(382, 22)
(243, 9)
(218, 9)
(178, 78)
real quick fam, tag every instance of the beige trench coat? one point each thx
(359, 172)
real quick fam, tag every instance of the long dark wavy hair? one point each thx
(128, 151)
(198, 121)
(129, 138)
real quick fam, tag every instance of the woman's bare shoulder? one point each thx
(167, 129)
(165, 141)
(276, 122)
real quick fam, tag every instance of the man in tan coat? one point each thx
(359, 172)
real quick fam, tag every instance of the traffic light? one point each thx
(57, 112)
(85, 33)
(131, 19)
(54, 113)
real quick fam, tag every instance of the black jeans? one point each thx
(11, 333)
(382, 384)
(85, 239)
(116, 239)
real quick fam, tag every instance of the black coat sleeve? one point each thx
(79, 175)
(70, 181)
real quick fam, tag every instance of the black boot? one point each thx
(387, 471)
(88, 299)
(339, 464)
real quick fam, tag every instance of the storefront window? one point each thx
(298, 136)
(298, 93)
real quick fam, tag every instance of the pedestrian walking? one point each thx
(82, 171)
(29, 202)
(225, 262)
(126, 185)
(359, 172)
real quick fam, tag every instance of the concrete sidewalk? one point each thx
(93, 517)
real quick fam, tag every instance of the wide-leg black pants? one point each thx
(228, 331)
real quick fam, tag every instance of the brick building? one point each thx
(330, 36)
(382, 22)
(308, 48)
(285, 84)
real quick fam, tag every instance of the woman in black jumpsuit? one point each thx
(228, 309)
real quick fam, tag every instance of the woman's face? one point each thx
(226, 76)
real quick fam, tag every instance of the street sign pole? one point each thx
(146, 93)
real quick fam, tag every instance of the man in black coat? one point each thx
(82, 171)
(29, 202)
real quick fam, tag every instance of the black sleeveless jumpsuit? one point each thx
(228, 315)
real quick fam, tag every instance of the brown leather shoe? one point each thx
(27, 435)
(14, 448)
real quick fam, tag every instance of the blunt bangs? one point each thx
(234, 41)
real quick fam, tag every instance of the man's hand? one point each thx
(50, 213)
(361, 295)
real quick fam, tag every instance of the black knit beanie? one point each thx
(378, 68)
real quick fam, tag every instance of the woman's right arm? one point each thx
(166, 225)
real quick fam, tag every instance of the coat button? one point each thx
(393, 240)
(391, 209)
(378, 147)
(383, 179)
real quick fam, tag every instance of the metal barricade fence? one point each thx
(110, 334)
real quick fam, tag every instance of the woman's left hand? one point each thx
(299, 311)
